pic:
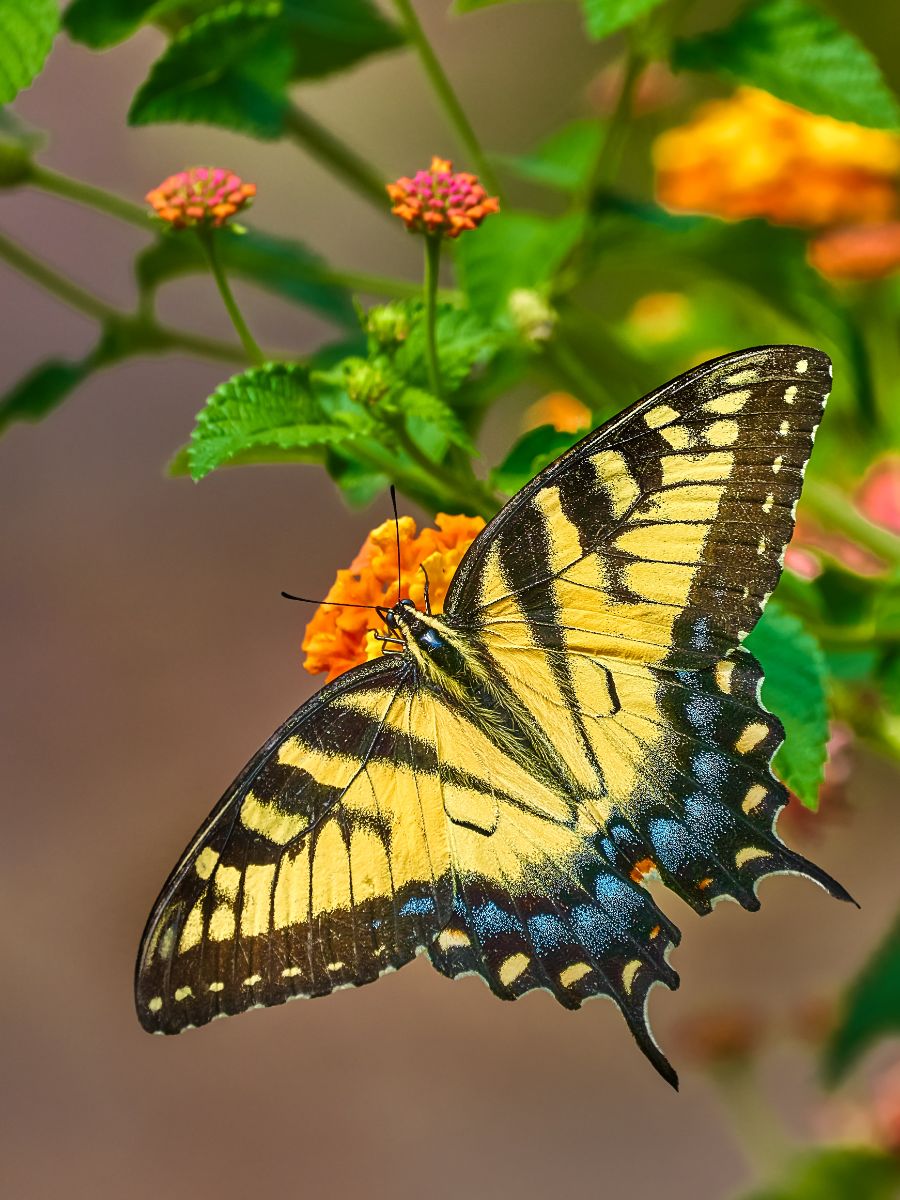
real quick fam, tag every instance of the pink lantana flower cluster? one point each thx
(200, 196)
(441, 202)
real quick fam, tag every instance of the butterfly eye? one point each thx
(408, 603)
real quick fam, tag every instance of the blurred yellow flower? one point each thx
(339, 638)
(659, 316)
(752, 155)
(559, 409)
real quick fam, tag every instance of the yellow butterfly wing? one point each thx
(326, 863)
(611, 596)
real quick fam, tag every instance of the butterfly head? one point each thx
(399, 618)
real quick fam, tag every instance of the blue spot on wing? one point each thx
(417, 906)
(490, 918)
(547, 932)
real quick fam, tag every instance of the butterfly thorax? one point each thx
(449, 661)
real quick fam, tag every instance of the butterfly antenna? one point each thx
(397, 532)
(337, 603)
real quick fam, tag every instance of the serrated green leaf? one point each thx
(795, 691)
(562, 160)
(277, 264)
(27, 30)
(229, 68)
(522, 250)
(837, 1173)
(275, 405)
(43, 390)
(800, 54)
(604, 17)
(533, 451)
(870, 1010)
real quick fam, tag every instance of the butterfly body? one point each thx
(497, 787)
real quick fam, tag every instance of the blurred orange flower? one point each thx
(339, 638)
(752, 155)
(562, 410)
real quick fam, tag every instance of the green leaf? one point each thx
(603, 17)
(764, 262)
(279, 265)
(521, 251)
(798, 53)
(102, 23)
(464, 342)
(530, 454)
(870, 1010)
(424, 414)
(359, 483)
(27, 30)
(275, 406)
(44, 389)
(795, 690)
(331, 35)
(837, 1173)
(230, 68)
(562, 160)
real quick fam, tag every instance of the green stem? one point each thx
(379, 285)
(50, 279)
(140, 332)
(91, 197)
(323, 145)
(446, 95)
(466, 491)
(432, 269)
(609, 159)
(753, 1124)
(836, 511)
(577, 377)
(208, 241)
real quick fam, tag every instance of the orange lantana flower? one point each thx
(752, 155)
(562, 410)
(339, 638)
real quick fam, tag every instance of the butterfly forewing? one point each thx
(324, 865)
(610, 597)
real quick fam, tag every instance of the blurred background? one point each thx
(148, 654)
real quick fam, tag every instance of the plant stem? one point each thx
(446, 95)
(836, 511)
(609, 159)
(92, 197)
(464, 491)
(44, 275)
(323, 145)
(432, 268)
(207, 238)
(753, 1124)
